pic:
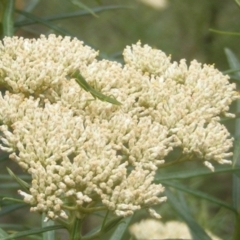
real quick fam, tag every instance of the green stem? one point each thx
(181, 160)
(236, 234)
(75, 231)
(84, 210)
(49, 223)
(7, 20)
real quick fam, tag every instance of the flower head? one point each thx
(84, 155)
(154, 229)
(31, 66)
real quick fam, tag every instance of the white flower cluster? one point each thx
(80, 152)
(156, 4)
(32, 66)
(154, 229)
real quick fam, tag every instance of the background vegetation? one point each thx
(180, 29)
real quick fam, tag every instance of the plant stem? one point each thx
(75, 230)
(236, 234)
(48, 234)
(181, 160)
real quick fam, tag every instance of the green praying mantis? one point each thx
(96, 94)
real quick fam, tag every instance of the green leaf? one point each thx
(6, 177)
(236, 233)
(111, 224)
(231, 71)
(83, 6)
(7, 19)
(8, 209)
(101, 230)
(173, 175)
(12, 185)
(236, 153)
(70, 15)
(15, 227)
(224, 32)
(96, 94)
(22, 183)
(18, 200)
(236, 187)
(238, 2)
(49, 235)
(28, 8)
(232, 61)
(3, 233)
(199, 194)
(32, 232)
(181, 208)
(121, 229)
(44, 22)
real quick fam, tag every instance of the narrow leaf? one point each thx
(8, 209)
(22, 183)
(238, 2)
(196, 230)
(7, 19)
(83, 6)
(49, 235)
(199, 194)
(236, 233)
(4, 177)
(224, 32)
(236, 187)
(44, 22)
(13, 200)
(231, 71)
(31, 232)
(96, 94)
(193, 173)
(70, 15)
(232, 61)
(28, 8)
(3, 233)
(8, 186)
(111, 224)
(11, 226)
(121, 229)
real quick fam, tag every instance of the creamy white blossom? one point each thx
(154, 229)
(95, 152)
(156, 4)
(31, 66)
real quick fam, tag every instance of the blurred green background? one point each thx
(181, 28)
